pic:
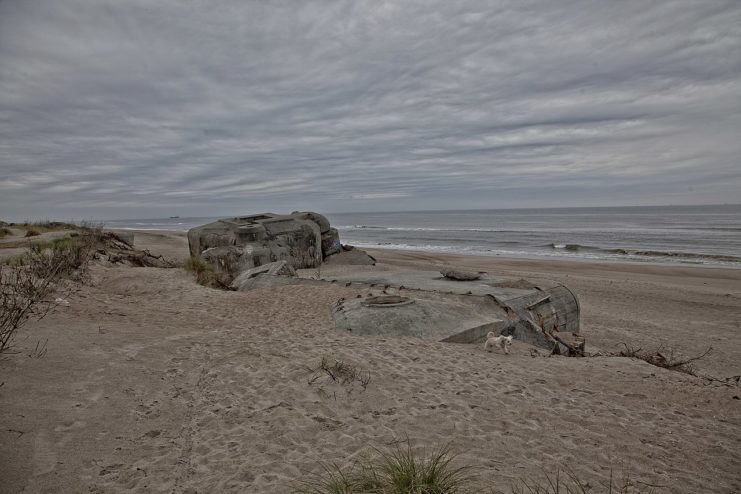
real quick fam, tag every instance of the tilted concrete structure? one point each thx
(428, 305)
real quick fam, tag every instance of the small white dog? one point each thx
(492, 340)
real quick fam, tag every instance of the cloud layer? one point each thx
(141, 109)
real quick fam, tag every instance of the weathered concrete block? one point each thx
(317, 218)
(351, 257)
(331, 242)
(454, 274)
(278, 268)
(233, 245)
(227, 261)
(544, 315)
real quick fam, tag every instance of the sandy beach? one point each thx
(153, 383)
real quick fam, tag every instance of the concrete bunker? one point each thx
(450, 306)
(302, 239)
(425, 305)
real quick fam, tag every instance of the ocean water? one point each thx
(705, 235)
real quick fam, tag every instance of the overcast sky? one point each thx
(141, 108)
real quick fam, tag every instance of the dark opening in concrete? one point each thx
(387, 301)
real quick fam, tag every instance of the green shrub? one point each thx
(65, 242)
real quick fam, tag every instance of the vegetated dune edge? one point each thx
(153, 383)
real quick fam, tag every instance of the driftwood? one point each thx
(660, 358)
(117, 249)
(573, 342)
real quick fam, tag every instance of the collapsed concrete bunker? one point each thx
(233, 245)
(431, 306)
(261, 251)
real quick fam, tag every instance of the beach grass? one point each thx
(341, 372)
(567, 482)
(399, 470)
(404, 470)
(203, 271)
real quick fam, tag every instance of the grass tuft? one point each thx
(203, 271)
(51, 226)
(338, 372)
(4, 232)
(396, 471)
(567, 482)
(401, 470)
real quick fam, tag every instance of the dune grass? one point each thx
(396, 471)
(37, 228)
(203, 271)
(401, 470)
(49, 226)
(567, 482)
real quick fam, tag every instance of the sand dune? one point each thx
(153, 383)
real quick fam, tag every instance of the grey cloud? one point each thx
(136, 108)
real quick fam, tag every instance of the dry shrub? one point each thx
(32, 232)
(26, 286)
(71, 254)
(4, 232)
(340, 372)
(665, 356)
(22, 295)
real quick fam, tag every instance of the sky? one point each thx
(143, 109)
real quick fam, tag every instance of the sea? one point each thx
(698, 235)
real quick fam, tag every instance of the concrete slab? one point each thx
(539, 313)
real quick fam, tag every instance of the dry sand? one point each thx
(153, 383)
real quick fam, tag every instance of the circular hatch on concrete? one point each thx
(382, 301)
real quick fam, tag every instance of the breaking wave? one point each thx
(421, 229)
(617, 252)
